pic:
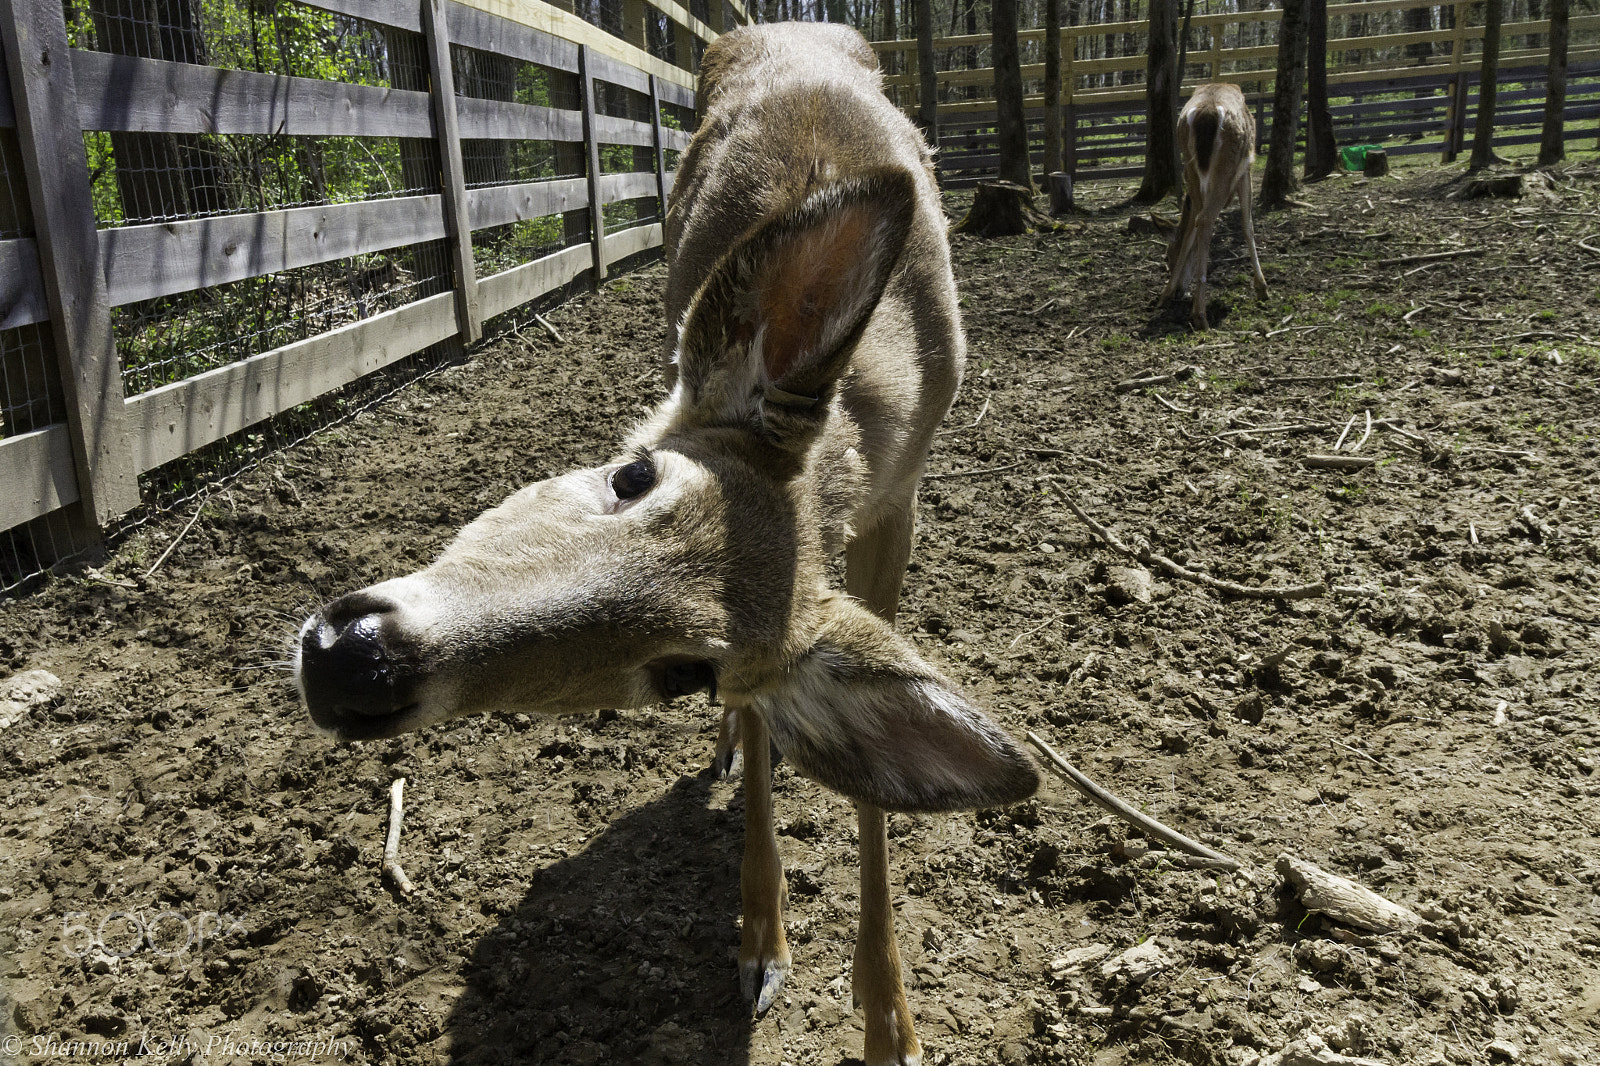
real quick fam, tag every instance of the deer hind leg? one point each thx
(1178, 256)
(875, 566)
(891, 1037)
(728, 736)
(1247, 222)
(763, 950)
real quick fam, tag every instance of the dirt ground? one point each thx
(190, 875)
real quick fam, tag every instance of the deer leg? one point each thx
(875, 561)
(1204, 226)
(891, 1038)
(875, 565)
(727, 741)
(1177, 251)
(763, 950)
(1247, 221)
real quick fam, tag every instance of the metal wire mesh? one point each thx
(139, 178)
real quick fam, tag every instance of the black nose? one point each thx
(350, 663)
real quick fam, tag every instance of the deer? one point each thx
(814, 343)
(1217, 139)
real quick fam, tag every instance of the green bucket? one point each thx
(1355, 155)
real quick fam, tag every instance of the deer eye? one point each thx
(633, 480)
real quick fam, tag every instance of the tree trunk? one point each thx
(928, 114)
(1552, 144)
(1320, 145)
(1011, 128)
(1162, 173)
(1003, 209)
(1419, 20)
(891, 32)
(1052, 86)
(1488, 88)
(1279, 181)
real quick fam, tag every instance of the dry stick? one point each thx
(1339, 462)
(391, 847)
(1298, 428)
(1364, 436)
(1148, 557)
(1430, 257)
(1134, 384)
(1389, 425)
(1583, 242)
(555, 334)
(175, 540)
(1149, 826)
(1340, 442)
(1315, 379)
(1169, 405)
(1406, 318)
(971, 473)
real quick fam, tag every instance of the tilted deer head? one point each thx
(698, 555)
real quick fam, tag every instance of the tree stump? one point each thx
(1061, 194)
(1377, 164)
(1003, 209)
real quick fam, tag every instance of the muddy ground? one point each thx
(187, 869)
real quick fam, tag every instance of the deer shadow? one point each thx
(622, 952)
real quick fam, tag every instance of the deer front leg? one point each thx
(763, 950)
(891, 1037)
(1247, 223)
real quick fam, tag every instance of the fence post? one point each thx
(661, 152)
(591, 144)
(452, 171)
(1069, 137)
(51, 141)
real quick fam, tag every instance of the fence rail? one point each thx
(577, 136)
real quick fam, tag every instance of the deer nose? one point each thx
(346, 664)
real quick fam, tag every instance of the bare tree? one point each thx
(1011, 127)
(1052, 86)
(1162, 173)
(1488, 88)
(928, 116)
(1279, 181)
(1320, 143)
(1552, 143)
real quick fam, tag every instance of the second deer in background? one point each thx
(1217, 137)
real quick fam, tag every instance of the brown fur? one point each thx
(1217, 139)
(815, 345)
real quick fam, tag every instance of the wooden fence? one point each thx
(1413, 91)
(64, 276)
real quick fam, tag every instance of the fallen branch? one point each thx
(1134, 384)
(555, 334)
(1429, 257)
(1583, 242)
(971, 473)
(1147, 825)
(1150, 558)
(175, 540)
(1364, 436)
(1339, 462)
(391, 847)
(1343, 900)
(1315, 379)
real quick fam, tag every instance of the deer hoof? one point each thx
(722, 762)
(761, 981)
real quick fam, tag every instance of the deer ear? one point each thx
(862, 714)
(768, 334)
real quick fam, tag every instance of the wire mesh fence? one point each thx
(178, 179)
